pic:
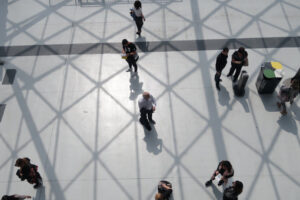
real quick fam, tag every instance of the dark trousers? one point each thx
(217, 78)
(144, 113)
(131, 61)
(139, 23)
(237, 69)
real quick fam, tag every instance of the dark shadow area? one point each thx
(224, 97)
(296, 110)
(243, 100)
(269, 101)
(154, 144)
(136, 87)
(217, 192)
(288, 124)
(40, 194)
(2, 108)
(9, 77)
(142, 44)
(1, 72)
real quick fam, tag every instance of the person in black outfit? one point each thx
(225, 169)
(238, 59)
(233, 191)
(138, 16)
(220, 64)
(28, 172)
(130, 50)
(164, 190)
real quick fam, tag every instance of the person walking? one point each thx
(28, 171)
(147, 105)
(138, 16)
(131, 56)
(15, 197)
(220, 65)
(288, 93)
(224, 171)
(232, 192)
(239, 59)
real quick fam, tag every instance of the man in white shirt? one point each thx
(147, 106)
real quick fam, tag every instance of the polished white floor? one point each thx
(76, 116)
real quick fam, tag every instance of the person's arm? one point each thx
(133, 49)
(153, 103)
(142, 15)
(233, 60)
(141, 104)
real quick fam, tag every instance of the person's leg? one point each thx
(129, 64)
(232, 68)
(150, 112)
(237, 73)
(144, 119)
(139, 24)
(217, 80)
(283, 111)
(134, 65)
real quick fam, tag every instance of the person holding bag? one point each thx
(129, 53)
(137, 15)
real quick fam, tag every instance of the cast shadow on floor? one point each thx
(223, 96)
(40, 194)
(218, 194)
(136, 87)
(154, 144)
(142, 43)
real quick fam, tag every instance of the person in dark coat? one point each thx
(233, 191)
(164, 190)
(131, 55)
(28, 171)
(220, 65)
(238, 60)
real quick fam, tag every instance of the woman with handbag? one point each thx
(138, 16)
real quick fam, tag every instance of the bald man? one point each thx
(147, 105)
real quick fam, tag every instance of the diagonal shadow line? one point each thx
(115, 179)
(98, 153)
(261, 155)
(265, 155)
(37, 139)
(41, 15)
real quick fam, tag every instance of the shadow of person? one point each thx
(296, 110)
(217, 193)
(269, 101)
(223, 95)
(142, 44)
(40, 194)
(135, 86)
(243, 101)
(154, 144)
(288, 124)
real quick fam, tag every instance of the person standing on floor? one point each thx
(288, 94)
(220, 65)
(138, 16)
(239, 59)
(233, 191)
(147, 105)
(15, 197)
(224, 170)
(131, 55)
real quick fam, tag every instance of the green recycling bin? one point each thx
(269, 77)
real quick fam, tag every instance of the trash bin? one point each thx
(269, 77)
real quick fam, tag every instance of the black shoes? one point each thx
(208, 183)
(152, 121)
(218, 87)
(146, 125)
(228, 75)
(128, 70)
(220, 182)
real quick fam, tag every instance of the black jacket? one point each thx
(221, 62)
